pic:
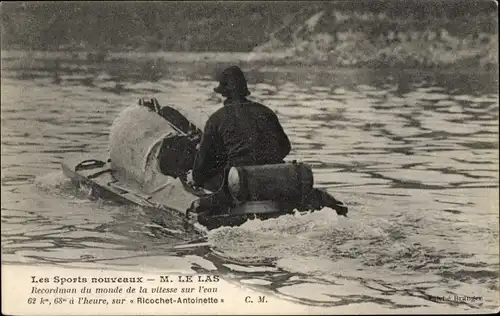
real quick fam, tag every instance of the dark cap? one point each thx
(232, 83)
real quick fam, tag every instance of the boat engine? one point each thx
(276, 182)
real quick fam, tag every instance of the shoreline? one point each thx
(24, 60)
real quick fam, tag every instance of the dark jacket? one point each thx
(240, 133)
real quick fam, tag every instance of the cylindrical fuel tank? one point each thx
(285, 182)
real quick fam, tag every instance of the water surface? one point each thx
(414, 156)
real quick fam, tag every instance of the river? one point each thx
(413, 154)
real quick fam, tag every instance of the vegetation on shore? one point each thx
(361, 33)
(322, 35)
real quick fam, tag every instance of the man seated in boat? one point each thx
(241, 133)
(244, 133)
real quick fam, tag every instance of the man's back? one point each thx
(252, 135)
(241, 133)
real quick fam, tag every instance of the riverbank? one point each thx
(450, 54)
(33, 60)
(376, 40)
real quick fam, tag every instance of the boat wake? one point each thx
(320, 236)
(349, 260)
(321, 243)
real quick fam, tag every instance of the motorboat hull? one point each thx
(173, 199)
